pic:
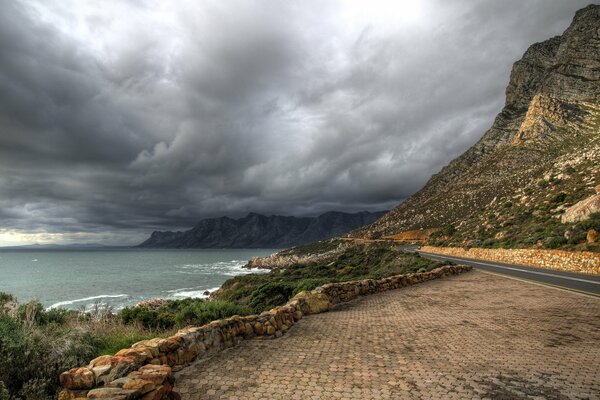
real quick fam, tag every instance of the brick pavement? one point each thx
(470, 336)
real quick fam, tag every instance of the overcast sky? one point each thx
(121, 117)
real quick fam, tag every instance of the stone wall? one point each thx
(582, 262)
(144, 371)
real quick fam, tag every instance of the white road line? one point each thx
(515, 269)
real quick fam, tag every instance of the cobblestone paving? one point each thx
(471, 336)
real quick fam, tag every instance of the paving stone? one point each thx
(474, 335)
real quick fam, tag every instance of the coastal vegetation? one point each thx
(368, 261)
(36, 344)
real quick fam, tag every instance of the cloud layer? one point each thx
(117, 118)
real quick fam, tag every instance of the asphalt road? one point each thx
(582, 283)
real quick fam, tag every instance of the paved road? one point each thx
(471, 336)
(588, 284)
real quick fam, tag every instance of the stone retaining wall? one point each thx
(144, 371)
(582, 262)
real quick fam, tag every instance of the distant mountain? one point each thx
(260, 231)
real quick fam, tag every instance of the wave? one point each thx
(186, 292)
(68, 302)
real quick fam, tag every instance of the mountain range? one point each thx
(260, 231)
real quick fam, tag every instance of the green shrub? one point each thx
(4, 395)
(201, 313)
(271, 295)
(449, 230)
(113, 343)
(32, 359)
(33, 313)
(310, 284)
(178, 313)
(554, 242)
(151, 319)
(559, 198)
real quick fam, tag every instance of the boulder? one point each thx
(108, 368)
(141, 385)
(159, 393)
(113, 394)
(157, 374)
(77, 379)
(581, 210)
(109, 360)
(592, 236)
(140, 355)
(314, 302)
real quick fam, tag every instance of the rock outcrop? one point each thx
(259, 231)
(582, 210)
(545, 141)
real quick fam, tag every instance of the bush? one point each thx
(178, 313)
(32, 359)
(203, 312)
(310, 284)
(271, 295)
(33, 313)
(4, 395)
(151, 319)
(559, 198)
(554, 242)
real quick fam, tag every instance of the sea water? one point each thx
(79, 279)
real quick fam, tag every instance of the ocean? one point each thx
(77, 279)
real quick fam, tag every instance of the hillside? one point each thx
(540, 157)
(260, 231)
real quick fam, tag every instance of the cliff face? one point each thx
(543, 143)
(259, 231)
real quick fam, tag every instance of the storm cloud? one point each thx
(117, 118)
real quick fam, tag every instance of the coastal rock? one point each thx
(582, 210)
(152, 304)
(284, 259)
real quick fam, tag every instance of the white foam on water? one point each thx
(196, 294)
(102, 296)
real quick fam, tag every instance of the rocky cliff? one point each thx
(259, 231)
(540, 157)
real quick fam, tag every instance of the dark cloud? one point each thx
(117, 118)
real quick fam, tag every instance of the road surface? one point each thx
(587, 284)
(470, 336)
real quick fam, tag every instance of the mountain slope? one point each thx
(541, 155)
(259, 231)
